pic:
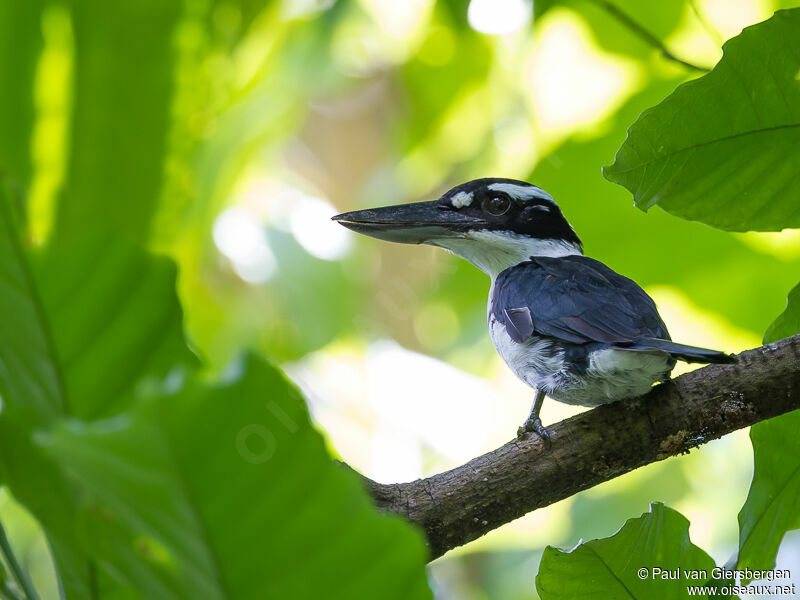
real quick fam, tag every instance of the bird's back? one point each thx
(574, 299)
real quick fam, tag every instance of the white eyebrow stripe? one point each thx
(522, 191)
(461, 199)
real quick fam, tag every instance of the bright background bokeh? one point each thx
(286, 113)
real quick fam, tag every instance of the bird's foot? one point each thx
(532, 425)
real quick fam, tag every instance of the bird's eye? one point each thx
(496, 205)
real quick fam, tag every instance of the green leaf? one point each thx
(124, 59)
(32, 395)
(99, 317)
(30, 385)
(93, 320)
(608, 568)
(20, 45)
(722, 149)
(115, 318)
(773, 503)
(82, 332)
(788, 322)
(227, 492)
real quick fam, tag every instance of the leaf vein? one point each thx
(708, 143)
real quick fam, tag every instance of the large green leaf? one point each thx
(723, 149)
(95, 320)
(773, 504)
(788, 322)
(227, 492)
(609, 568)
(98, 317)
(115, 319)
(32, 395)
(124, 59)
(31, 388)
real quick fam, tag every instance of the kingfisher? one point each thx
(566, 324)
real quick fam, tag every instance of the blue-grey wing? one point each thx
(574, 299)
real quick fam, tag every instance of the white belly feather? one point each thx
(611, 374)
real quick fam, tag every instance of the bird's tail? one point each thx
(683, 352)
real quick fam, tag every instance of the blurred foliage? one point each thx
(223, 134)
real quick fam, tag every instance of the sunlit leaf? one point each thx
(609, 568)
(722, 149)
(124, 60)
(285, 522)
(788, 322)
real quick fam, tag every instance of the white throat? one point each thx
(495, 251)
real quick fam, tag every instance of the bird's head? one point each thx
(492, 223)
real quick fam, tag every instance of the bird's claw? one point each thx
(535, 426)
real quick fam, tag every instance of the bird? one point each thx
(566, 324)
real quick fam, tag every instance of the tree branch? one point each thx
(460, 505)
(644, 34)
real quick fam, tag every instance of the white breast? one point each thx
(535, 362)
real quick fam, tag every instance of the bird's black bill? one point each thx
(414, 223)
